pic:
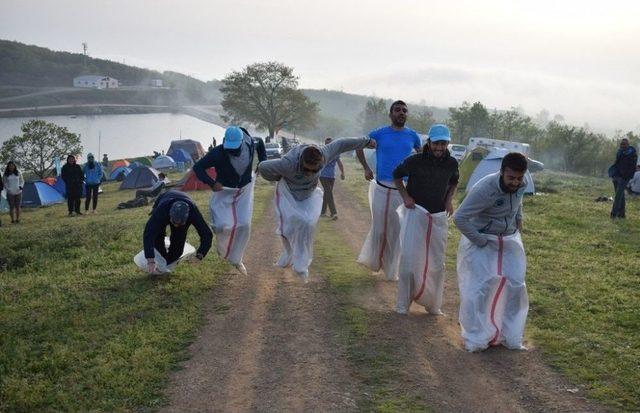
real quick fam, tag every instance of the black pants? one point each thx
(92, 193)
(327, 200)
(73, 204)
(177, 240)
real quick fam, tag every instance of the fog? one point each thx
(576, 58)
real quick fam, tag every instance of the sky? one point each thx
(580, 59)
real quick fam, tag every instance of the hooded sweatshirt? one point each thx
(289, 167)
(489, 209)
(92, 173)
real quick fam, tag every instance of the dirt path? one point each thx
(267, 345)
(434, 361)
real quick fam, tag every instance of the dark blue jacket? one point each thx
(160, 219)
(225, 173)
(625, 165)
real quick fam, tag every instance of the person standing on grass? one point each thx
(178, 211)
(73, 178)
(298, 199)
(621, 172)
(394, 143)
(93, 177)
(13, 183)
(232, 198)
(491, 259)
(432, 181)
(327, 179)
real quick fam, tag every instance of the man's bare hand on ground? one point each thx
(409, 202)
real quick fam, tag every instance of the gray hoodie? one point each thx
(487, 209)
(289, 167)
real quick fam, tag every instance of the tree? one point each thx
(459, 122)
(421, 121)
(373, 115)
(38, 147)
(266, 95)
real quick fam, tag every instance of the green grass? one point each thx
(81, 329)
(373, 361)
(583, 278)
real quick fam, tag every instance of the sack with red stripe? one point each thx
(161, 263)
(493, 294)
(231, 211)
(296, 224)
(381, 248)
(423, 241)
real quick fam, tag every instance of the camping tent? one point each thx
(163, 162)
(481, 162)
(60, 186)
(136, 164)
(190, 182)
(193, 148)
(119, 173)
(143, 160)
(121, 162)
(180, 155)
(35, 194)
(143, 177)
(4, 204)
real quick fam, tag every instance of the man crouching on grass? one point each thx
(178, 211)
(491, 259)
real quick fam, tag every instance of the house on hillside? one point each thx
(95, 82)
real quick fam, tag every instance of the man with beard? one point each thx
(381, 249)
(433, 178)
(491, 259)
(232, 199)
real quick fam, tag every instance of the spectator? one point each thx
(73, 178)
(621, 173)
(93, 176)
(13, 182)
(327, 180)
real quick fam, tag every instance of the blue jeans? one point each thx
(619, 185)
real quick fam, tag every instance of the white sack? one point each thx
(493, 294)
(423, 243)
(296, 224)
(231, 212)
(161, 263)
(381, 249)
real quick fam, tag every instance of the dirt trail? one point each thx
(434, 361)
(267, 344)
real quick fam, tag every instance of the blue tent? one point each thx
(35, 194)
(62, 188)
(121, 169)
(136, 164)
(180, 155)
(140, 178)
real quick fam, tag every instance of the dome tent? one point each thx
(481, 162)
(190, 182)
(61, 187)
(35, 194)
(121, 162)
(180, 155)
(143, 160)
(193, 148)
(119, 173)
(163, 162)
(143, 177)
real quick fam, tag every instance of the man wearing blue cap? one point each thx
(381, 249)
(179, 211)
(432, 181)
(232, 199)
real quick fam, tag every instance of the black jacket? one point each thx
(73, 178)
(429, 178)
(225, 172)
(160, 219)
(625, 165)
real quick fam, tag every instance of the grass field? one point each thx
(80, 328)
(583, 278)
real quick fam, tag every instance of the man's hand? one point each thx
(448, 206)
(217, 187)
(342, 176)
(151, 266)
(372, 144)
(409, 202)
(199, 256)
(368, 174)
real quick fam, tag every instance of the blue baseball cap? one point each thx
(233, 137)
(439, 132)
(179, 212)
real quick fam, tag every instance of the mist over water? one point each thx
(126, 136)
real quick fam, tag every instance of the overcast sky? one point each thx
(577, 58)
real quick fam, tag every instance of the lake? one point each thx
(126, 136)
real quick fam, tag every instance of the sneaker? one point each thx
(71, 213)
(517, 347)
(303, 274)
(474, 348)
(79, 213)
(240, 267)
(334, 217)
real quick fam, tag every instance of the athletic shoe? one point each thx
(518, 347)
(303, 274)
(240, 267)
(334, 217)
(474, 348)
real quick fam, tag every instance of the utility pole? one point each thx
(99, 144)
(84, 52)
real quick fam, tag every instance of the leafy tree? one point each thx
(478, 119)
(374, 115)
(267, 95)
(421, 120)
(459, 122)
(39, 145)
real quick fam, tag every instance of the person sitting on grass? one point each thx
(155, 189)
(178, 211)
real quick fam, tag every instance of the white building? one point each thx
(156, 83)
(95, 82)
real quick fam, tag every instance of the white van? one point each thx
(457, 151)
(488, 143)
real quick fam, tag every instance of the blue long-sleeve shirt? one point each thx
(160, 219)
(93, 176)
(225, 172)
